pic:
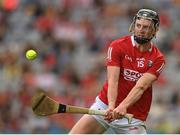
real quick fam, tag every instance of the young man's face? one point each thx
(144, 28)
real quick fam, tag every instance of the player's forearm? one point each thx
(113, 80)
(142, 84)
(134, 95)
(112, 94)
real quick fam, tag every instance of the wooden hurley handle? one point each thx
(82, 110)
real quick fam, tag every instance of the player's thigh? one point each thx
(87, 125)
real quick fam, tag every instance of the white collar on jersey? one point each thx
(133, 43)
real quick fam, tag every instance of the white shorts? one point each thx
(119, 126)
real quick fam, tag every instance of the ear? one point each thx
(131, 27)
(155, 31)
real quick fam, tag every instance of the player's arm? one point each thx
(142, 84)
(114, 56)
(113, 79)
(134, 95)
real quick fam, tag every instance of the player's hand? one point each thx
(119, 112)
(108, 114)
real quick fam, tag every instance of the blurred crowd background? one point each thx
(71, 38)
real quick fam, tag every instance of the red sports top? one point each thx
(124, 54)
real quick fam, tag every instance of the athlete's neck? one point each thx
(144, 47)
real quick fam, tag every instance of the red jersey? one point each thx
(133, 64)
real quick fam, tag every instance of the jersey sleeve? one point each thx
(114, 54)
(157, 67)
